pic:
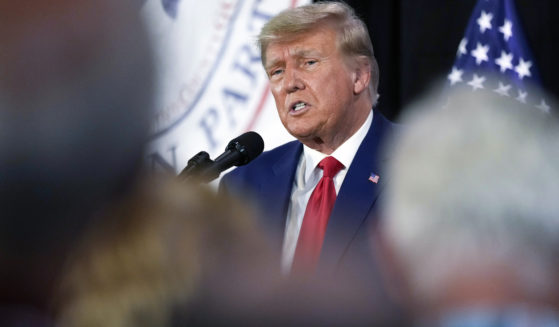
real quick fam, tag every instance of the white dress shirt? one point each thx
(307, 177)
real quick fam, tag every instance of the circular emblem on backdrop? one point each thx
(189, 37)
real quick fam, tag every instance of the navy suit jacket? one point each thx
(267, 183)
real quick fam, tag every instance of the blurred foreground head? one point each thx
(75, 100)
(472, 217)
(161, 247)
(172, 254)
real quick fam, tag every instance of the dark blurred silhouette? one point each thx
(155, 252)
(175, 254)
(75, 104)
(471, 234)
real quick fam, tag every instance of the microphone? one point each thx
(195, 165)
(239, 151)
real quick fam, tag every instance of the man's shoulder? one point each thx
(384, 130)
(387, 124)
(263, 164)
(277, 152)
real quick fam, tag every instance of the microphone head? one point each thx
(250, 145)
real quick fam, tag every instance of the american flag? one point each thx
(374, 178)
(494, 44)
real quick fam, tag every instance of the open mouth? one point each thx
(298, 106)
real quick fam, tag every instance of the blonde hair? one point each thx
(353, 36)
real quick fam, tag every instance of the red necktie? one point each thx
(316, 217)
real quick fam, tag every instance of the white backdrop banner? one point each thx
(211, 84)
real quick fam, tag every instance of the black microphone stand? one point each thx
(196, 165)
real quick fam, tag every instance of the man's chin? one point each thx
(301, 135)
(309, 139)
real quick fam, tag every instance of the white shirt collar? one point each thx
(344, 153)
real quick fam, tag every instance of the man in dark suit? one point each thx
(324, 77)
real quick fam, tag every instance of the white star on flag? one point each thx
(503, 90)
(493, 56)
(543, 106)
(523, 68)
(477, 82)
(484, 21)
(506, 29)
(455, 76)
(522, 96)
(462, 47)
(480, 53)
(505, 61)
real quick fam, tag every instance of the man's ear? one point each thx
(362, 75)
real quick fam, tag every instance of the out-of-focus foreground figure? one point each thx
(75, 100)
(153, 257)
(472, 222)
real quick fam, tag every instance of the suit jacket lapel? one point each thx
(356, 196)
(275, 190)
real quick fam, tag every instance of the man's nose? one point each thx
(293, 81)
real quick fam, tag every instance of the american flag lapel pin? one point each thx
(374, 178)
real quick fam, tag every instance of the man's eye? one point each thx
(276, 72)
(311, 62)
